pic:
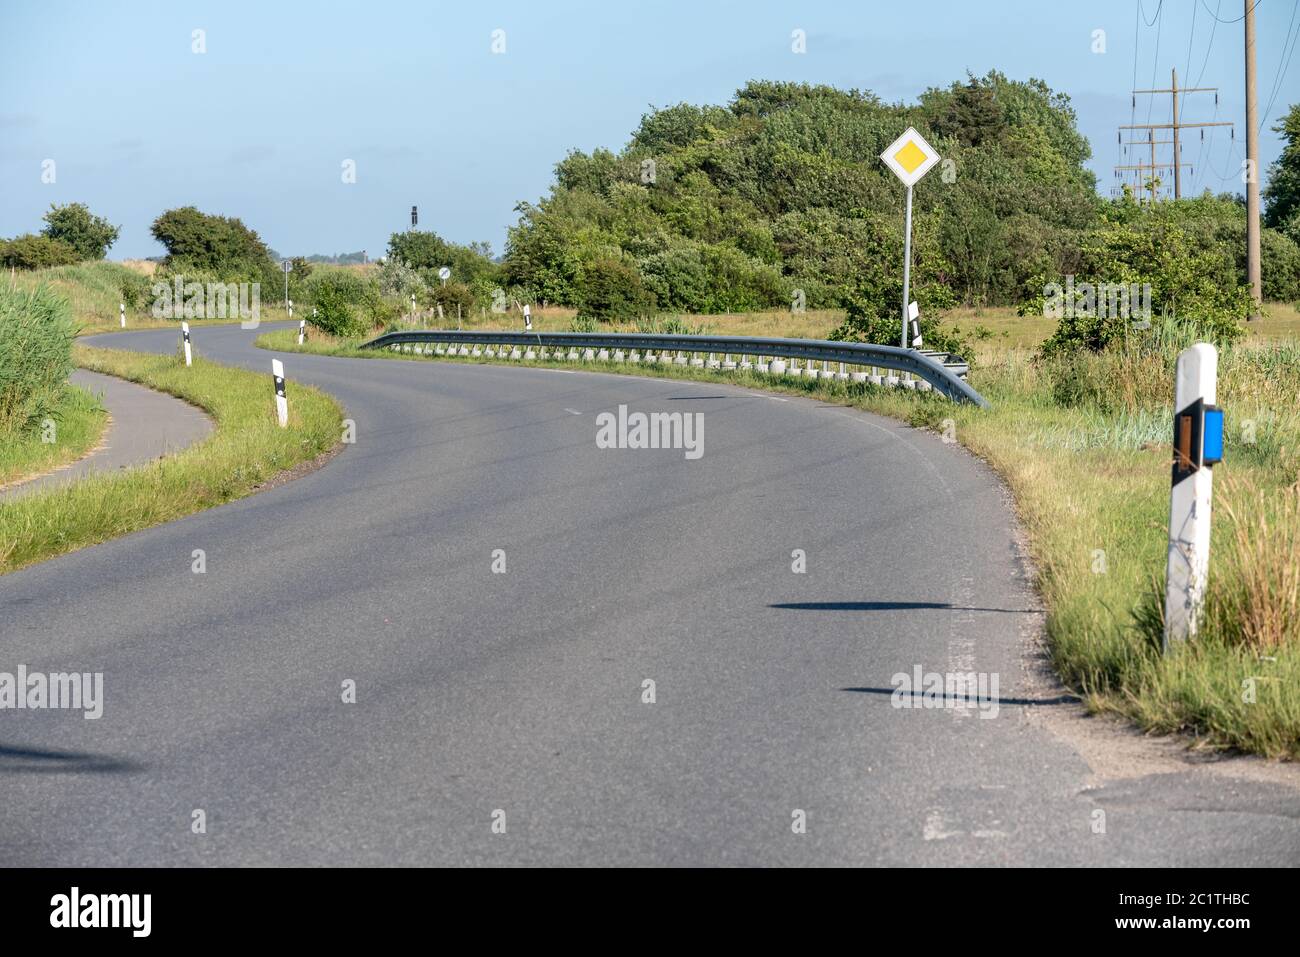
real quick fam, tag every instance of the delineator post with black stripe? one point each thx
(1198, 445)
(281, 402)
(185, 340)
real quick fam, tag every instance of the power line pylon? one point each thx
(1176, 126)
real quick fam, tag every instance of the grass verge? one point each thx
(1092, 488)
(246, 449)
(77, 423)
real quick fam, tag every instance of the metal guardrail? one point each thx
(941, 371)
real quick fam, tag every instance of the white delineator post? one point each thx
(185, 340)
(302, 329)
(281, 403)
(1189, 498)
(121, 311)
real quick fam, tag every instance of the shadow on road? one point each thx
(890, 606)
(919, 695)
(40, 761)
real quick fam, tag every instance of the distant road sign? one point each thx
(444, 273)
(910, 157)
(286, 265)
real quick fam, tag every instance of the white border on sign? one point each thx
(912, 178)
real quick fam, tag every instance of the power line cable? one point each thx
(1209, 46)
(1155, 63)
(1239, 19)
(1284, 64)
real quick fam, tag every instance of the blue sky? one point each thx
(259, 125)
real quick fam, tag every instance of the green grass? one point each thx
(78, 424)
(1091, 486)
(246, 448)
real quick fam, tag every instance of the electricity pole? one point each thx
(1252, 170)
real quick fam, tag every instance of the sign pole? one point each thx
(910, 157)
(907, 263)
(1198, 444)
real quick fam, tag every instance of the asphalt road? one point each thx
(521, 692)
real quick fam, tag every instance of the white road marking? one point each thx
(573, 412)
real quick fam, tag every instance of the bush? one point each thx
(74, 224)
(36, 252)
(874, 313)
(36, 333)
(452, 296)
(1190, 283)
(136, 289)
(611, 291)
(346, 305)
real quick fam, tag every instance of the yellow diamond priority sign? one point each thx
(910, 157)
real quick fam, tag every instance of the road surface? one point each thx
(516, 698)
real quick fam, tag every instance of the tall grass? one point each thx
(36, 333)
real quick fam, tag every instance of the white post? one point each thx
(281, 403)
(185, 339)
(1189, 498)
(907, 263)
(412, 308)
(302, 329)
(121, 311)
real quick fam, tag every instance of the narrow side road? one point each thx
(143, 425)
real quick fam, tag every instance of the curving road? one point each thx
(521, 692)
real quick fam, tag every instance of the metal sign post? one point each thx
(1198, 445)
(910, 157)
(286, 265)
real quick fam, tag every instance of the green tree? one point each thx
(220, 245)
(74, 224)
(1282, 194)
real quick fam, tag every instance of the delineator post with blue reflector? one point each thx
(1198, 444)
